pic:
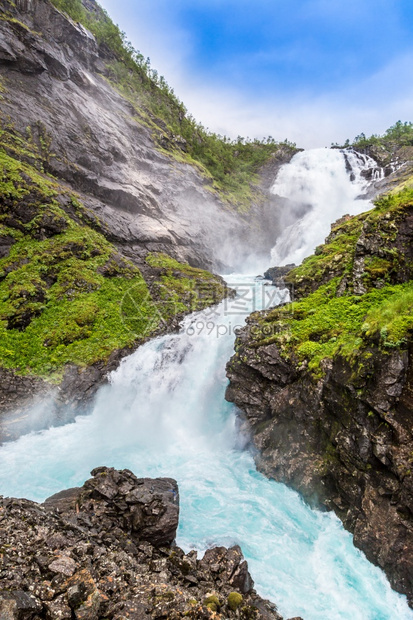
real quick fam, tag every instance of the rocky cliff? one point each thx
(60, 90)
(107, 550)
(326, 382)
(71, 304)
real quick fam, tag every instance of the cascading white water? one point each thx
(164, 414)
(362, 167)
(319, 181)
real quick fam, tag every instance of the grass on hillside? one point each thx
(323, 326)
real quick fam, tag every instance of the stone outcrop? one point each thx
(106, 550)
(343, 446)
(340, 431)
(148, 509)
(277, 274)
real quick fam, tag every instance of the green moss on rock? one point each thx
(212, 602)
(330, 319)
(234, 600)
(66, 295)
(323, 326)
(182, 287)
(335, 258)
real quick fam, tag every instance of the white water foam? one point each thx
(164, 414)
(318, 179)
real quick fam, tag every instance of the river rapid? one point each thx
(164, 414)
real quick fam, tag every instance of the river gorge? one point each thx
(163, 413)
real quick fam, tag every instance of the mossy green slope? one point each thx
(336, 256)
(66, 294)
(332, 318)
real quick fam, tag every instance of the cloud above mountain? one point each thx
(312, 71)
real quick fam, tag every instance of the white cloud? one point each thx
(370, 105)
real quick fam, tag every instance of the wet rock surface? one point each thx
(277, 274)
(30, 403)
(106, 550)
(346, 449)
(55, 86)
(394, 166)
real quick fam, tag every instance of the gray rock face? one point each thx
(343, 446)
(106, 551)
(343, 439)
(91, 137)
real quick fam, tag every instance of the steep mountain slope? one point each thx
(70, 304)
(57, 91)
(326, 382)
(98, 198)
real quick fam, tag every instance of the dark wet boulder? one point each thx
(145, 508)
(277, 274)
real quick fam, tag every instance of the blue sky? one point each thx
(312, 71)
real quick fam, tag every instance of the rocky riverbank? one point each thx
(106, 550)
(326, 383)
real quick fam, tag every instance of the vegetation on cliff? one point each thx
(326, 382)
(231, 165)
(66, 294)
(355, 292)
(393, 149)
(399, 134)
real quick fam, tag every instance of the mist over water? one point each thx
(320, 180)
(164, 414)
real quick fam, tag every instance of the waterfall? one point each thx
(164, 414)
(327, 184)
